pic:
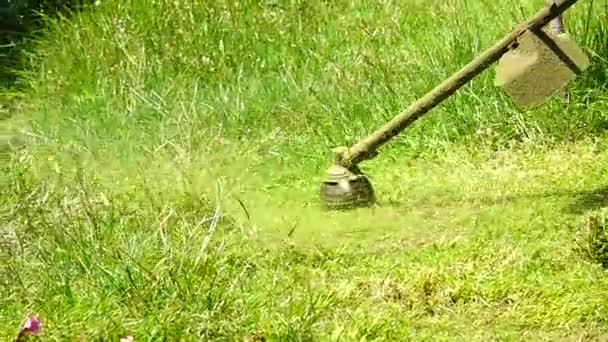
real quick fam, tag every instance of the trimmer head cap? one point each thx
(346, 189)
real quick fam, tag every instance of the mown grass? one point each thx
(165, 159)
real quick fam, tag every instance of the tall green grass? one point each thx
(332, 72)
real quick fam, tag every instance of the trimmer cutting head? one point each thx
(346, 189)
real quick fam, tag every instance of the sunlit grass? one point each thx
(164, 164)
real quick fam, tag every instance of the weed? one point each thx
(592, 238)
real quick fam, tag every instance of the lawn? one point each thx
(164, 159)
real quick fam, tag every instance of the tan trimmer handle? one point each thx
(367, 147)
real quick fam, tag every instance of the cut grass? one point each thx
(460, 249)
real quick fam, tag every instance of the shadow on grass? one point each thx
(579, 201)
(23, 20)
(589, 200)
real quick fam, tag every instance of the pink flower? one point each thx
(31, 326)
(127, 339)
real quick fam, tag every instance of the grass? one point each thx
(164, 165)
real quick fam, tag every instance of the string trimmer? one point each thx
(533, 65)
